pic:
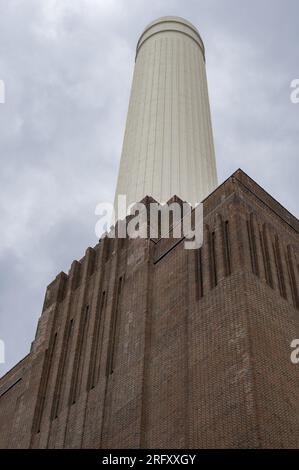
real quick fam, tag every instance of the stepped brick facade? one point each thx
(147, 344)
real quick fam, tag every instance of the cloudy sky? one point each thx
(67, 66)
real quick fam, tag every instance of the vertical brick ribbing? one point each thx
(58, 385)
(72, 388)
(75, 384)
(97, 340)
(279, 268)
(146, 350)
(212, 256)
(198, 273)
(43, 385)
(266, 256)
(113, 279)
(292, 276)
(252, 246)
(114, 332)
(61, 368)
(226, 247)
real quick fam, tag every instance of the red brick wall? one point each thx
(146, 344)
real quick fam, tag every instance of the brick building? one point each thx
(147, 344)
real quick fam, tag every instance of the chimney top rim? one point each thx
(194, 33)
(166, 19)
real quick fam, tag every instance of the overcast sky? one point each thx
(67, 66)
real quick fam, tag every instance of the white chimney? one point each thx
(168, 143)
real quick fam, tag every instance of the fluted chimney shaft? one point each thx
(168, 143)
